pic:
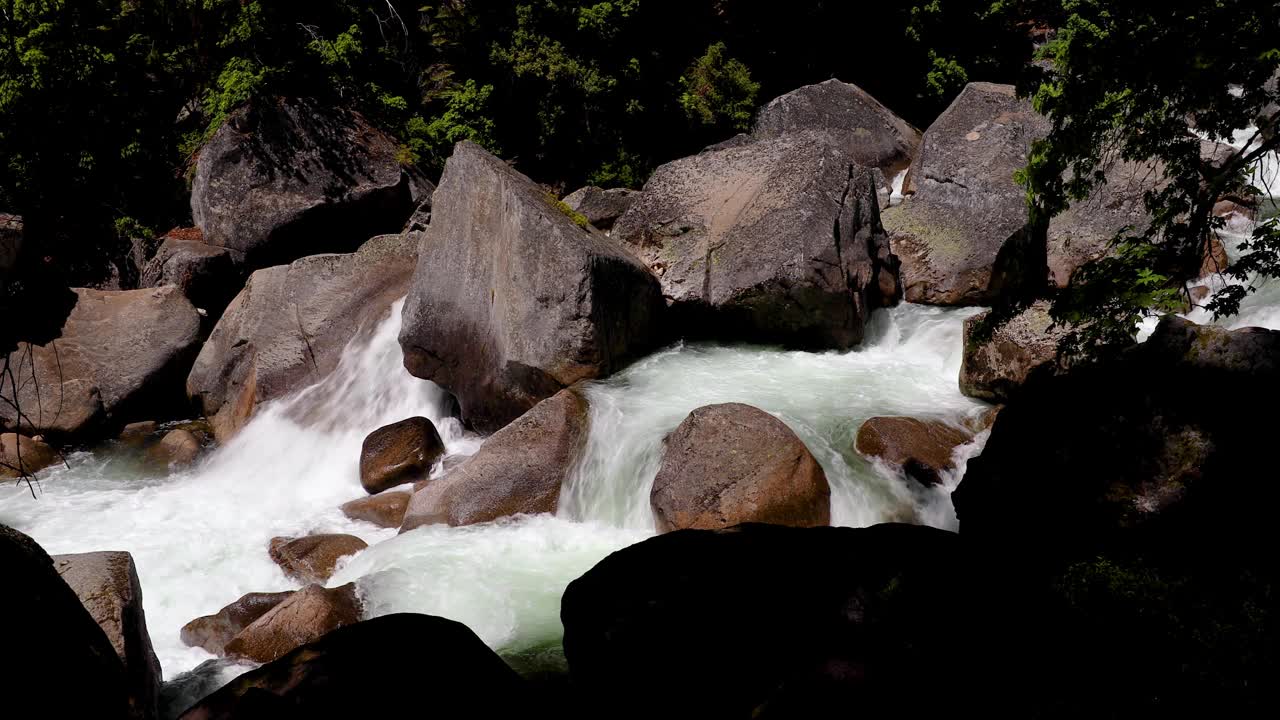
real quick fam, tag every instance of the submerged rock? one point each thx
(336, 676)
(962, 236)
(512, 301)
(121, 356)
(384, 509)
(733, 463)
(288, 327)
(56, 655)
(284, 178)
(399, 453)
(922, 448)
(313, 558)
(305, 616)
(517, 470)
(775, 241)
(213, 632)
(21, 455)
(995, 368)
(107, 584)
(601, 208)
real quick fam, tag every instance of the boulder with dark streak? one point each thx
(336, 676)
(213, 632)
(284, 178)
(775, 241)
(207, 274)
(288, 327)
(922, 448)
(305, 616)
(513, 301)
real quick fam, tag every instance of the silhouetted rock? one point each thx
(399, 453)
(733, 463)
(512, 301)
(213, 632)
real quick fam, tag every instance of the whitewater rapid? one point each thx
(199, 536)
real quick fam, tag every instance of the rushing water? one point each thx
(199, 536)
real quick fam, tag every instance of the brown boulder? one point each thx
(213, 632)
(176, 449)
(305, 616)
(288, 327)
(513, 301)
(107, 585)
(518, 470)
(961, 237)
(21, 455)
(398, 454)
(994, 369)
(384, 510)
(922, 448)
(315, 557)
(121, 355)
(731, 464)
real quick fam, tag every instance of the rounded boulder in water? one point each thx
(398, 454)
(305, 616)
(315, 557)
(922, 448)
(730, 464)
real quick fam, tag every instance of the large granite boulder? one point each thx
(961, 237)
(518, 470)
(121, 357)
(775, 241)
(601, 207)
(107, 585)
(213, 632)
(853, 120)
(23, 456)
(313, 558)
(514, 301)
(768, 621)
(995, 367)
(399, 453)
(207, 274)
(284, 178)
(305, 616)
(56, 655)
(923, 449)
(1154, 439)
(338, 676)
(288, 327)
(733, 463)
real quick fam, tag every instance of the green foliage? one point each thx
(718, 90)
(578, 218)
(1119, 83)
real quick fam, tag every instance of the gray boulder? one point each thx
(961, 237)
(853, 120)
(731, 464)
(207, 274)
(107, 585)
(512, 300)
(288, 327)
(775, 241)
(995, 368)
(600, 207)
(518, 470)
(120, 357)
(285, 178)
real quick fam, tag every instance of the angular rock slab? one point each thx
(512, 301)
(213, 632)
(775, 241)
(305, 616)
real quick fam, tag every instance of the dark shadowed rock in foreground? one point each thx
(600, 207)
(56, 656)
(518, 470)
(961, 237)
(922, 448)
(288, 327)
(733, 463)
(121, 356)
(213, 632)
(766, 621)
(775, 241)
(340, 676)
(108, 587)
(512, 301)
(1155, 439)
(284, 178)
(853, 120)
(399, 453)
